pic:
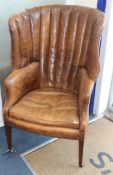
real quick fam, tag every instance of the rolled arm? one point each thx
(18, 83)
(85, 90)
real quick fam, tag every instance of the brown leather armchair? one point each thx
(55, 59)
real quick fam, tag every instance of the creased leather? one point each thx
(18, 83)
(53, 108)
(59, 132)
(85, 89)
(64, 41)
(63, 38)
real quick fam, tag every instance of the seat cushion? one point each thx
(48, 107)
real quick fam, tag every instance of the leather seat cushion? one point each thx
(48, 107)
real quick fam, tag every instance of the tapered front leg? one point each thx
(81, 149)
(8, 137)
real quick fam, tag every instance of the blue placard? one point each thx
(101, 5)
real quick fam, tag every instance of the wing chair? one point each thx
(55, 60)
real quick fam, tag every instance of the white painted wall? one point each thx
(89, 3)
(106, 60)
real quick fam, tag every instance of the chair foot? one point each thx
(8, 138)
(81, 148)
(8, 151)
(81, 166)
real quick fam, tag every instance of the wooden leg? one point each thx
(81, 149)
(8, 137)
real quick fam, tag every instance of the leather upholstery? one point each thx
(20, 82)
(52, 108)
(55, 59)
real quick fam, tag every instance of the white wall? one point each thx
(89, 3)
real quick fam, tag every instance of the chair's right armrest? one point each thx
(85, 89)
(20, 82)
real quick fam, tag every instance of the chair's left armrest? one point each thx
(18, 83)
(85, 90)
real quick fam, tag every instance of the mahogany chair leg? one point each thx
(81, 149)
(8, 137)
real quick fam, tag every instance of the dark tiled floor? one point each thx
(11, 163)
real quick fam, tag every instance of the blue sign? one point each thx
(101, 5)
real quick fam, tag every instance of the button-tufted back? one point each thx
(61, 38)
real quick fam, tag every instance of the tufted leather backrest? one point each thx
(61, 38)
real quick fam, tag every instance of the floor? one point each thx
(12, 163)
(61, 157)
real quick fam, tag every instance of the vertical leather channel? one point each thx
(85, 42)
(28, 37)
(64, 24)
(70, 49)
(23, 42)
(35, 33)
(81, 25)
(54, 34)
(15, 44)
(44, 46)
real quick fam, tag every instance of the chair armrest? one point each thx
(85, 89)
(20, 82)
